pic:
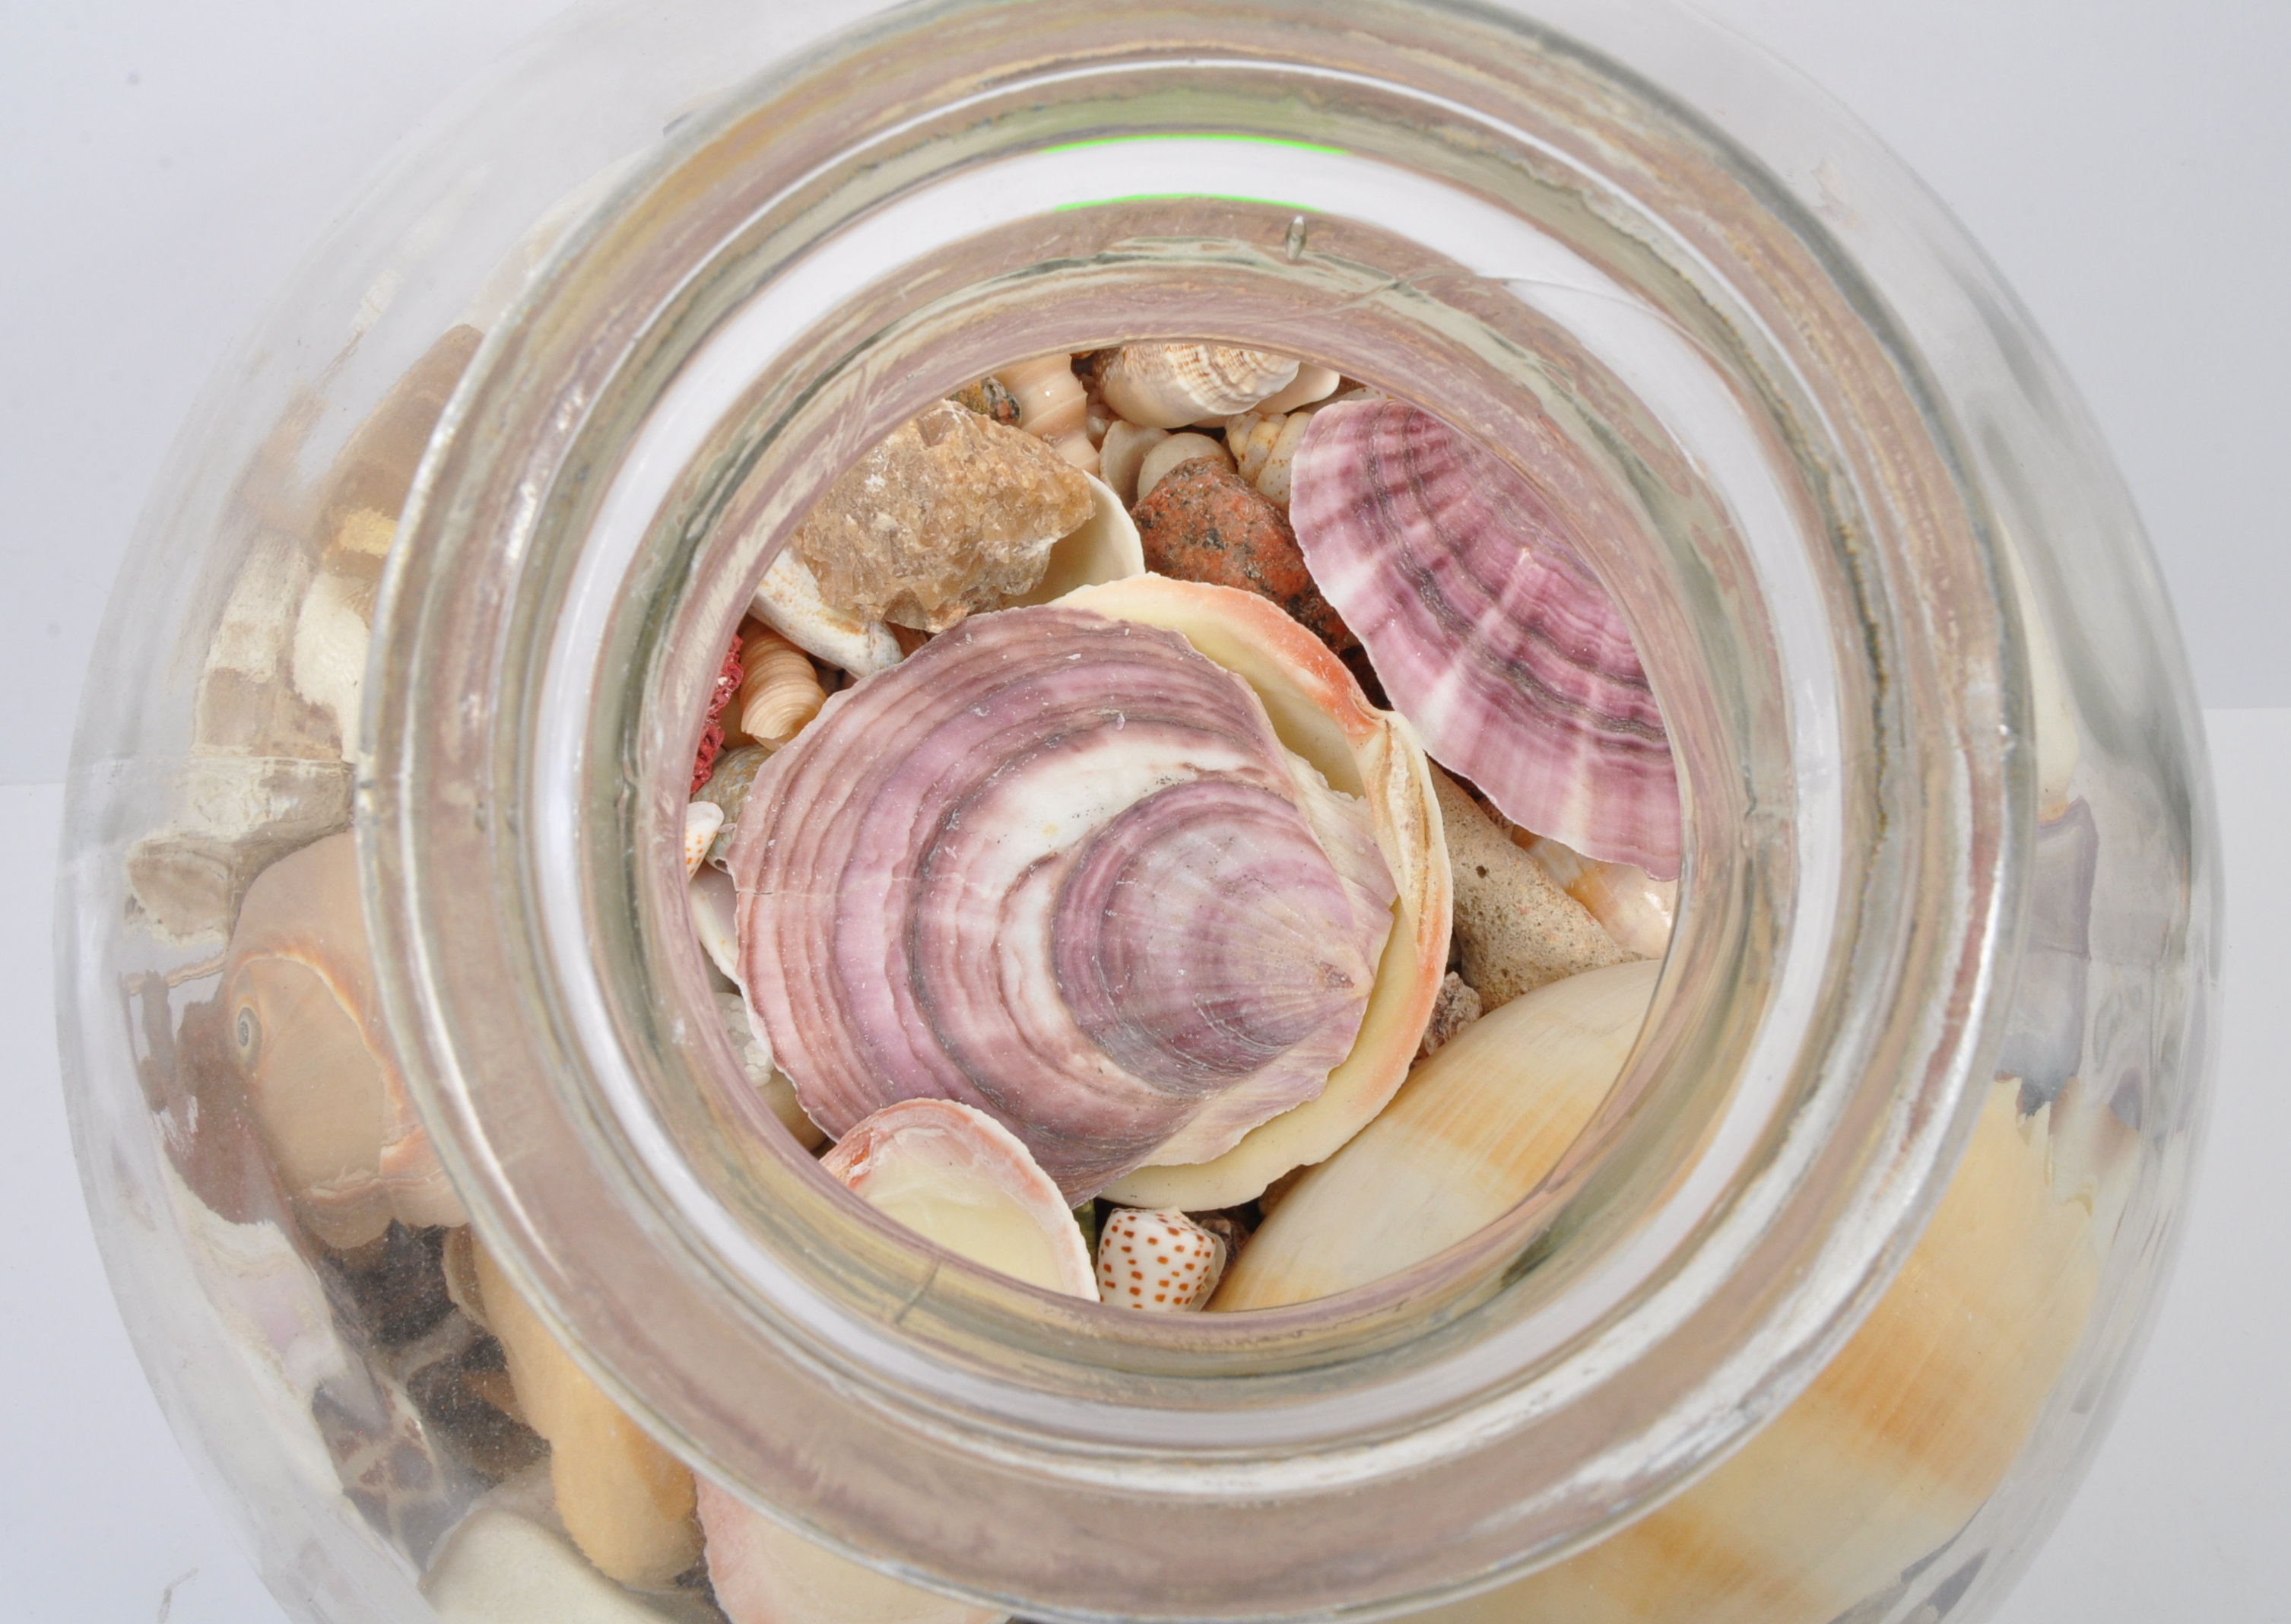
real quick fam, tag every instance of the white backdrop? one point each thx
(2126, 162)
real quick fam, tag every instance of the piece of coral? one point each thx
(1516, 929)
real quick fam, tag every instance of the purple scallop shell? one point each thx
(1488, 630)
(1058, 867)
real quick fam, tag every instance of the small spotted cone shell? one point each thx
(1157, 1259)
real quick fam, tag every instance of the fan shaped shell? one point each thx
(1059, 868)
(1487, 629)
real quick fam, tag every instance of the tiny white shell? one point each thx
(715, 906)
(1118, 459)
(1177, 448)
(1312, 383)
(701, 820)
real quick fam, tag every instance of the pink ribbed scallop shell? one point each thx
(1488, 630)
(1058, 868)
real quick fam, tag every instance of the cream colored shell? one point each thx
(1895, 1444)
(1053, 406)
(299, 1009)
(779, 691)
(627, 1502)
(1154, 466)
(1173, 386)
(1479, 1125)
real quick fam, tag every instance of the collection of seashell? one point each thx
(1174, 827)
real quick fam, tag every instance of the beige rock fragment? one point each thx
(950, 514)
(1516, 929)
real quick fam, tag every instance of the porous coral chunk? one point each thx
(951, 513)
(1204, 522)
(1516, 928)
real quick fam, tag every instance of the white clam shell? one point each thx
(1123, 455)
(1171, 386)
(1157, 462)
(789, 601)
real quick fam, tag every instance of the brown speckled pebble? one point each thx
(1204, 522)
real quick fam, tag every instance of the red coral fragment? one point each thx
(729, 678)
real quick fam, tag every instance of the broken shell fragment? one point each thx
(1157, 1260)
(1205, 522)
(1053, 406)
(1175, 449)
(779, 691)
(1319, 713)
(1516, 929)
(305, 1035)
(1121, 459)
(1172, 386)
(703, 820)
(1632, 907)
(1106, 548)
(962, 1181)
(1478, 1127)
(947, 515)
(727, 788)
(626, 1501)
(1059, 867)
(790, 602)
(1487, 628)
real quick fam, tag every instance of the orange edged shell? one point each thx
(1317, 712)
(306, 1035)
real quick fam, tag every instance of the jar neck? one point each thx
(1499, 224)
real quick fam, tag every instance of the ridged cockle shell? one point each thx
(1172, 386)
(1058, 867)
(1488, 629)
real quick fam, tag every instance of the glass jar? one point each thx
(1818, 1319)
